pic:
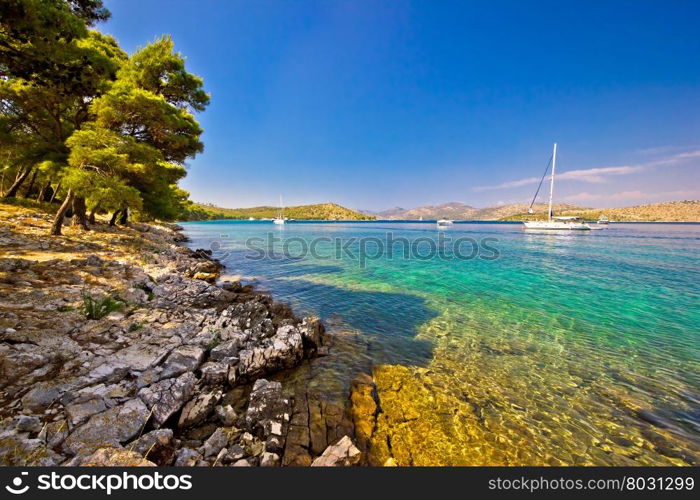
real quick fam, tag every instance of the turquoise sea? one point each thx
(528, 348)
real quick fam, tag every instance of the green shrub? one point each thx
(99, 308)
(215, 341)
(147, 289)
(135, 327)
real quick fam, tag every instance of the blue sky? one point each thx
(373, 104)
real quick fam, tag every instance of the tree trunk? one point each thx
(58, 220)
(79, 213)
(93, 212)
(124, 219)
(40, 196)
(12, 192)
(55, 192)
(28, 192)
(113, 220)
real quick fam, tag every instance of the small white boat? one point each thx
(251, 218)
(555, 223)
(279, 220)
(603, 220)
(444, 223)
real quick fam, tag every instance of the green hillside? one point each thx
(321, 211)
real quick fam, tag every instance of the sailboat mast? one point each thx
(551, 181)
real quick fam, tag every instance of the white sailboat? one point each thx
(444, 223)
(565, 223)
(280, 215)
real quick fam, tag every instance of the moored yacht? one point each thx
(558, 223)
(280, 215)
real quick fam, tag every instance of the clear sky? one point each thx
(373, 104)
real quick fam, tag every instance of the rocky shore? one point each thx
(119, 347)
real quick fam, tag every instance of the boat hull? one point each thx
(557, 225)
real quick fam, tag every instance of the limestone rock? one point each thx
(226, 415)
(79, 412)
(183, 359)
(214, 373)
(16, 450)
(158, 446)
(187, 457)
(110, 428)
(235, 452)
(198, 409)
(115, 457)
(228, 349)
(41, 397)
(107, 371)
(281, 351)
(27, 423)
(53, 433)
(168, 396)
(215, 443)
(208, 277)
(342, 454)
(269, 460)
(311, 330)
(143, 355)
(266, 409)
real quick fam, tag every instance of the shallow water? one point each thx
(568, 348)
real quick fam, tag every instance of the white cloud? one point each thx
(599, 174)
(511, 184)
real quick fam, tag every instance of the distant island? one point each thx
(320, 211)
(674, 211)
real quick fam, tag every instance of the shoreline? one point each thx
(416, 221)
(176, 372)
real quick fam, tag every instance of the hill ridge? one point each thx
(318, 211)
(672, 211)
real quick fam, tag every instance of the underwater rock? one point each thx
(363, 409)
